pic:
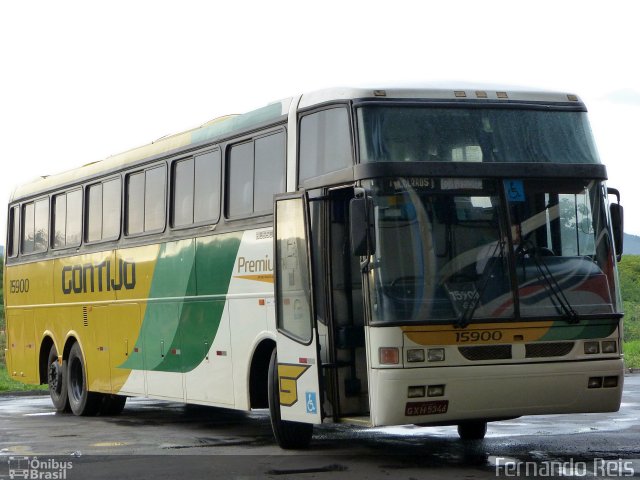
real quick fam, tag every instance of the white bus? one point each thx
(380, 257)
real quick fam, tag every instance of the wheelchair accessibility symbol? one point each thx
(515, 190)
(312, 406)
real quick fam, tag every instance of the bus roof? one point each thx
(227, 125)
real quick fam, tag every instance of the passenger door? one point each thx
(298, 358)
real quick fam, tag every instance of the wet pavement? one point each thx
(153, 439)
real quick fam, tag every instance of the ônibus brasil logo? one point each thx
(21, 467)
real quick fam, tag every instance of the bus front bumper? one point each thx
(486, 392)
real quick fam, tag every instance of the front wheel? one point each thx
(81, 400)
(475, 430)
(56, 379)
(289, 435)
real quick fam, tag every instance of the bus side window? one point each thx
(206, 193)
(103, 210)
(325, 143)
(255, 172)
(66, 221)
(269, 171)
(240, 180)
(14, 232)
(146, 200)
(35, 226)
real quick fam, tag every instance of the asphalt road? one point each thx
(153, 439)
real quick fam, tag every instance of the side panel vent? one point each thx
(85, 316)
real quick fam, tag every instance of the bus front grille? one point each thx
(555, 349)
(486, 352)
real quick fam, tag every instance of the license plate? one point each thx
(414, 409)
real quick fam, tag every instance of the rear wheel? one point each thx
(81, 400)
(57, 381)
(289, 435)
(475, 430)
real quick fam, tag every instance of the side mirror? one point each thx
(362, 230)
(616, 212)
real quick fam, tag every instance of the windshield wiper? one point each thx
(558, 293)
(467, 315)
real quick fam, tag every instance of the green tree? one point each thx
(629, 269)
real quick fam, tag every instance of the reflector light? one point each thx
(435, 391)
(416, 391)
(415, 355)
(435, 355)
(610, 382)
(389, 355)
(594, 382)
(609, 346)
(591, 348)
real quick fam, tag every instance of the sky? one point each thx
(80, 81)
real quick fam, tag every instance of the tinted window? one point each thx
(28, 228)
(74, 217)
(14, 232)
(183, 193)
(135, 203)
(67, 219)
(269, 171)
(59, 220)
(196, 190)
(41, 225)
(240, 183)
(35, 229)
(146, 200)
(325, 144)
(154, 197)
(94, 212)
(256, 171)
(111, 209)
(207, 187)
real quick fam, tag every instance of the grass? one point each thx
(632, 354)
(7, 384)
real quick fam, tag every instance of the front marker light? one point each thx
(609, 346)
(591, 348)
(415, 355)
(435, 355)
(389, 355)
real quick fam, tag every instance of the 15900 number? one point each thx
(19, 286)
(476, 336)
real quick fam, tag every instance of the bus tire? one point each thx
(474, 430)
(112, 404)
(57, 381)
(288, 435)
(81, 400)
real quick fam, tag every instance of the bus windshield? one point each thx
(433, 134)
(459, 250)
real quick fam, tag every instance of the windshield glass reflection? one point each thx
(452, 250)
